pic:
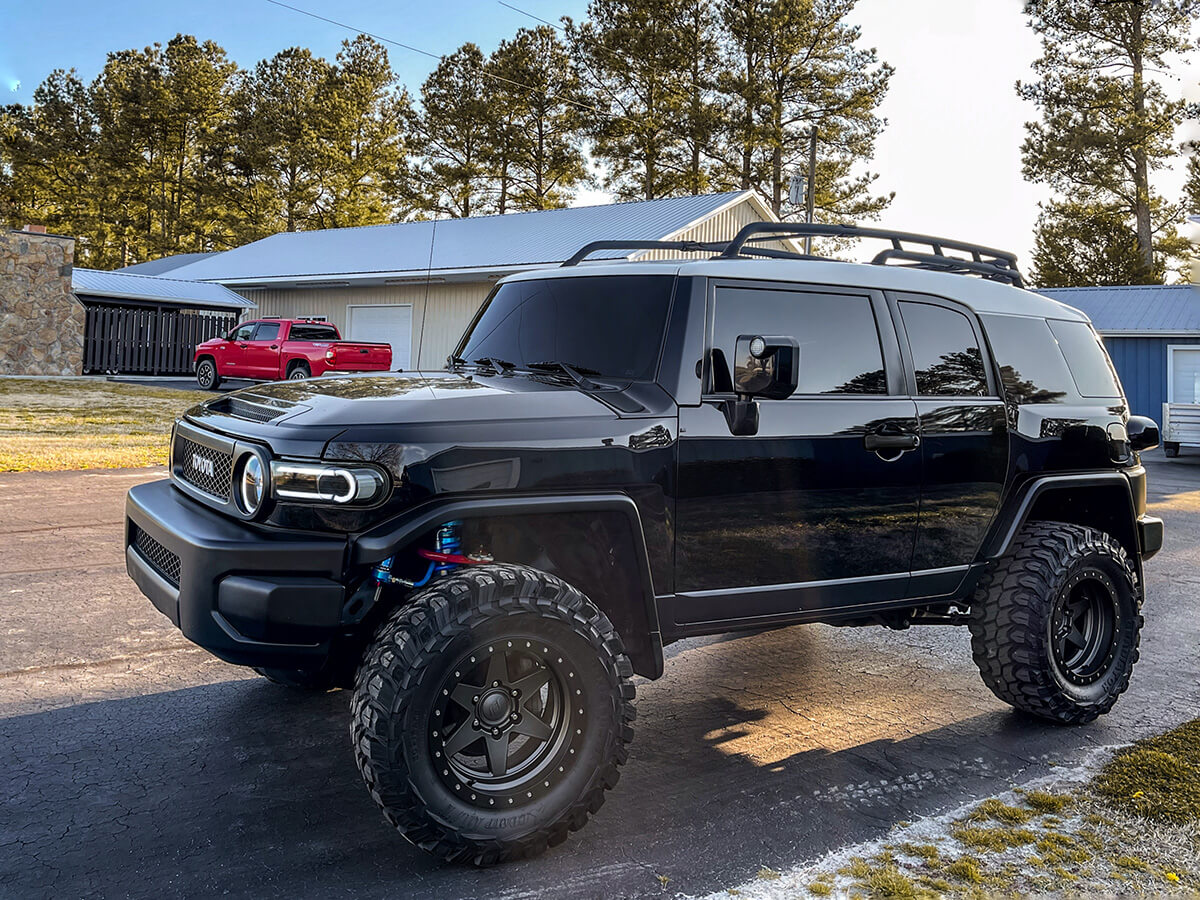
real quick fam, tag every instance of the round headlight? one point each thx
(758, 347)
(253, 484)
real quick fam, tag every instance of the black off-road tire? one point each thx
(401, 694)
(298, 371)
(206, 374)
(1171, 449)
(1013, 620)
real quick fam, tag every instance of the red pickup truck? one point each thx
(274, 349)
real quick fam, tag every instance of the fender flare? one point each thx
(1013, 519)
(379, 543)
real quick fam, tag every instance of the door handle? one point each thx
(274, 346)
(875, 442)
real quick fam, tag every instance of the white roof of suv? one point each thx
(979, 294)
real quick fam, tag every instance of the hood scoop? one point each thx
(252, 407)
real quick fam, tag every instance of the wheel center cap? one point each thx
(495, 707)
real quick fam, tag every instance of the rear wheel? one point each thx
(492, 713)
(206, 375)
(1171, 449)
(298, 372)
(1055, 626)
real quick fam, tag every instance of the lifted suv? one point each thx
(620, 455)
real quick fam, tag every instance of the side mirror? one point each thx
(766, 366)
(1143, 433)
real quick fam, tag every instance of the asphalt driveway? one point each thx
(136, 765)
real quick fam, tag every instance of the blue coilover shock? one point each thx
(448, 540)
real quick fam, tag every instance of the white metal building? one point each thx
(416, 285)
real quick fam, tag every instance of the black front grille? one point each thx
(203, 467)
(162, 560)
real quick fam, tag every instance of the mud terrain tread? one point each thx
(1009, 612)
(413, 637)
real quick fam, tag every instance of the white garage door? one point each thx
(384, 325)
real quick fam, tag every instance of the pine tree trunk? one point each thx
(1141, 174)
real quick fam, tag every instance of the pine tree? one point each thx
(630, 55)
(1106, 125)
(278, 150)
(453, 128)
(363, 124)
(533, 93)
(1081, 244)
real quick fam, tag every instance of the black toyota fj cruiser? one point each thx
(622, 454)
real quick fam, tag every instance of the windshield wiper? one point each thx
(575, 373)
(500, 366)
(452, 361)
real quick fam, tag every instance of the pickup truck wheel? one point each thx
(1171, 449)
(492, 713)
(298, 372)
(206, 375)
(1055, 625)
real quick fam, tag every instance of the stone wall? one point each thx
(41, 322)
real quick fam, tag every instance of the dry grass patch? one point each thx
(56, 424)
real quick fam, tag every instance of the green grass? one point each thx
(1158, 778)
(51, 425)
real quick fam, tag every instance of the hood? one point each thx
(409, 397)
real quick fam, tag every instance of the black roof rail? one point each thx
(997, 265)
(684, 246)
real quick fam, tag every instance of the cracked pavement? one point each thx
(136, 765)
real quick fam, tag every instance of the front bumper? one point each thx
(1150, 535)
(250, 597)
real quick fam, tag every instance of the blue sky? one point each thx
(951, 150)
(37, 37)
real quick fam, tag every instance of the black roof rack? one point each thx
(996, 265)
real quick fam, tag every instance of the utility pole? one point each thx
(812, 184)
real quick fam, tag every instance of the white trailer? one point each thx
(1180, 427)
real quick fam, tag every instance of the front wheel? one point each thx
(1055, 626)
(492, 713)
(206, 375)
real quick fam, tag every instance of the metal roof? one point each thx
(1136, 309)
(495, 243)
(164, 265)
(124, 286)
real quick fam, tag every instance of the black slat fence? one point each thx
(148, 340)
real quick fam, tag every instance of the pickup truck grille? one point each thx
(162, 560)
(204, 468)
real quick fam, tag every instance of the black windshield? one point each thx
(609, 325)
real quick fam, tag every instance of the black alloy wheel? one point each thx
(1084, 626)
(508, 723)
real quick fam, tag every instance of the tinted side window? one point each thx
(945, 352)
(1031, 366)
(267, 331)
(244, 332)
(312, 333)
(839, 343)
(1088, 360)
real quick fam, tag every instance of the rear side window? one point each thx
(1087, 359)
(839, 343)
(1032, 367)
(267, 331)
(313, 333)
(945, 351)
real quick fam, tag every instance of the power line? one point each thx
(385, 40)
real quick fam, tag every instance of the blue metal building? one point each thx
(1149, 331)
